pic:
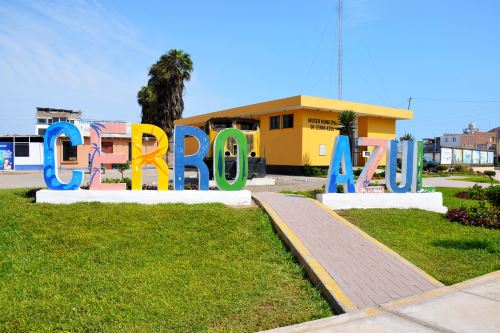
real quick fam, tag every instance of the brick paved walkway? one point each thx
(363, 270)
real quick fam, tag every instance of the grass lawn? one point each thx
(133, 268)
(476, 179)
(449, 251)
(309, 194)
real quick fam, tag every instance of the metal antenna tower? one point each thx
(339, 69)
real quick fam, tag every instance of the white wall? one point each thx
(35, 158)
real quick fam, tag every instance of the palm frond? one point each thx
(98, 127)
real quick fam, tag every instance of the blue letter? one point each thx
(50, 165)
(341, 154)
(195, 160)
(408, 168)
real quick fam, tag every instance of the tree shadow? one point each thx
(29, 194)
(468, 244)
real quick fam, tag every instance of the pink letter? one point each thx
(372, 163)
(97, 158)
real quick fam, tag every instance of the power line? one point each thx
(457, 100)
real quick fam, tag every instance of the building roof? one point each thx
(42, 109)
(486, 134)
(302, 102)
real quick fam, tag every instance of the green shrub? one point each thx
(483, 215)
(461, 168)
(441, 168)
(493, 195)
(311, 171)
(379, 175)
(475, 192)
(121, 167)
(125, 180)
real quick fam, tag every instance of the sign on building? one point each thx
(446, 156)
(457, 156)
(467, 158)
(6, 156)
(476, 157)
(490, 157)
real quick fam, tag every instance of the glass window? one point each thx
(58, 119)
(130, 150)
(41, 120)
(220, 125)
(274, 122)
(288, 121)
(69, 152)
(41, 131)
(22, 149)
(248, 126)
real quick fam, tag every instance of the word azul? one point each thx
(411, 173)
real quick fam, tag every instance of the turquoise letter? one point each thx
(50, 165)
(195, 160)
(408, 166)
(341, 155)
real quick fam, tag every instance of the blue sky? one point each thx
(94, 56)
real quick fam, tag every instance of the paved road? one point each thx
(19, 179)
(366, 272)
(291, 183)
(469, 307)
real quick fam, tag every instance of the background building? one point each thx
(468, 147)
(471, 138)
(25, 152)
(301, 130)
(47, 116)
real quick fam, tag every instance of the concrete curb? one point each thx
(235, 198)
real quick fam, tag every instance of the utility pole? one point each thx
(339, 69)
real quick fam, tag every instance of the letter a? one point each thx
(341, 155)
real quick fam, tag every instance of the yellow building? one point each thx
(300, 130)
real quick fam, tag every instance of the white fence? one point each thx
(453, 156)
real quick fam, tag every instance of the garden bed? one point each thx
(449, 251)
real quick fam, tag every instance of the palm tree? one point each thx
(162, 99)
(347, 126)
(407, 137)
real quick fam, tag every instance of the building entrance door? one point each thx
(107, 148)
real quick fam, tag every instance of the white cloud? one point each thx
(68, 54)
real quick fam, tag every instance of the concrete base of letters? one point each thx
(252, 182)
(432, 201)
(233, 198)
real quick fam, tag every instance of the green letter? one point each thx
(241, 160)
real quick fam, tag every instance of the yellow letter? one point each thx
(155, 157)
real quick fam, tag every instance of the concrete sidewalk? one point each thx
(351, 269)
(469, 307)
